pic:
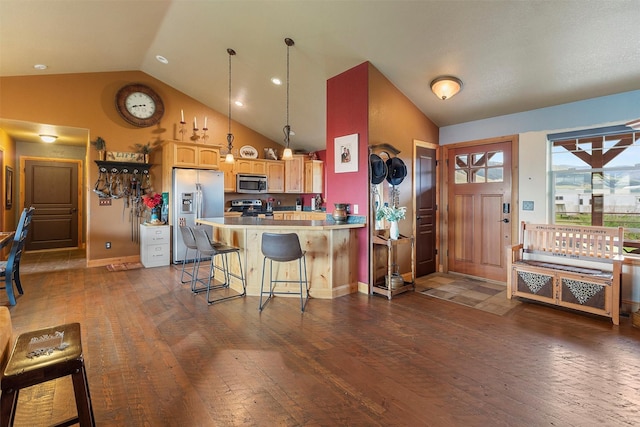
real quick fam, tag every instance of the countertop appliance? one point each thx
(196, 194)
(250, 207)
(248, 183)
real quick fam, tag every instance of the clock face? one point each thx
(139, 105)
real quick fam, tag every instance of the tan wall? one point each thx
(395, 120)
(88, 101)
(7, 147)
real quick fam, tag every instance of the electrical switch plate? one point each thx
(105, 202)
(107, 245)
(355, 209)
(527, 205)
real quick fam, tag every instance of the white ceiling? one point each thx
(512, 55)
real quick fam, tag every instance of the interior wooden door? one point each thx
(52, 188)
(479, 209)
(425, 188)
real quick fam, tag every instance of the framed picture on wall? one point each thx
(8, 187)
(346, 153)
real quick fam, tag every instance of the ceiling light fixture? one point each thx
(287, 154)
(276, 81)
(48, 138)
(162, 59)
(445, 87)
(229, 158)
(40, 67)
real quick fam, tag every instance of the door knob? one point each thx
(505, 220)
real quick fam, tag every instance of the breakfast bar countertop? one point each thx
(265, 223)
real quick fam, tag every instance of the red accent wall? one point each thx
(347, 114)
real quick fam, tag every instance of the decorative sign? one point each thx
(116, 156)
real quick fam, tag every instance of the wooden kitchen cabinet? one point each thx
(294, 174)
(250, 166)
(275, 176)
(314, 176)
(186, 155)
(229, 176)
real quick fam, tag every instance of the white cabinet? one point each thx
(154, 245)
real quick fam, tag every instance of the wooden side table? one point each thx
(386, 288)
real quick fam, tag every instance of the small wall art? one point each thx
(8, 180)
(346, 153)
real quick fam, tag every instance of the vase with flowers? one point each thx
(154, 203)
(392, 214)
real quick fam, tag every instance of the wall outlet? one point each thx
(355, 209)
(105, 202)
(107, 245)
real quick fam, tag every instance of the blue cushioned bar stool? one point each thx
(10, 269)
(190, 245)
(209, 249)
(283, 248)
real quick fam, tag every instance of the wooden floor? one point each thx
(157, 355)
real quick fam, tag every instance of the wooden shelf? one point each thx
(385, 287)
(126, 167)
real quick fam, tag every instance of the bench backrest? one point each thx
(602, 244)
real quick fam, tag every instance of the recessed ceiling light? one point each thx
(162, 59)
(276, 81)
(40, 67)
(239, 103)
(48, 138)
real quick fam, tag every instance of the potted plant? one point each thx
(392, 214)
(144, 149)
(101, 146)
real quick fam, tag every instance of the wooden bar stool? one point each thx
(23, 371)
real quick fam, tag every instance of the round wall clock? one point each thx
(139, 105)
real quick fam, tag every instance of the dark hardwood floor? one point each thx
(157, 355)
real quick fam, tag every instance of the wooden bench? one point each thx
(578, 267)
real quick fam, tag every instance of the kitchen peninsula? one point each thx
(331, 252)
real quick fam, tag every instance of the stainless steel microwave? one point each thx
(246, 183)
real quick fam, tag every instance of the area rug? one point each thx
(124, 266)
(485, 296)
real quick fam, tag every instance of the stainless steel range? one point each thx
(250, 207)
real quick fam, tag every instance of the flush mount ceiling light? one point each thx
(276, 81)
(445, 87)
(287, 154)
(40, 67)
(229, 158)
(48, 138)
(162, 59)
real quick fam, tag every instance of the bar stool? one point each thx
(209, 249)
(190, 244)
(35, 363)
(283, 248)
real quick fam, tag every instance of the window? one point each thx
(479, 167)
(595, 179)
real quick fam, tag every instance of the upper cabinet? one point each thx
(294, 174)
(314, 176)
(188, 154)
(275, 176)
(250, 166)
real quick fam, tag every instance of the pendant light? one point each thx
(229, 158)
(287, 154)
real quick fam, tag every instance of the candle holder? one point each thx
(195, 136)
(204, 134)
(182, 130)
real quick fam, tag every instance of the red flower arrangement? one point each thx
(152, 201)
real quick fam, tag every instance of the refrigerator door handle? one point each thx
(199, 200)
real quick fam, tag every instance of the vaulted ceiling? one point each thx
(512, 56)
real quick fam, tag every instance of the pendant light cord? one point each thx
(287, 128)
(231, 52)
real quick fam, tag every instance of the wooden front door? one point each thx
(52, 188)
(425, 179)
(479, 208)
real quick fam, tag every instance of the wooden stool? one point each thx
(22, 371)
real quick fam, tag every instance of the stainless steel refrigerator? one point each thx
(196, 194)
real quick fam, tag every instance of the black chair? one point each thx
(209, 249)
(283, 248)
(10, 269)
(190, 243)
